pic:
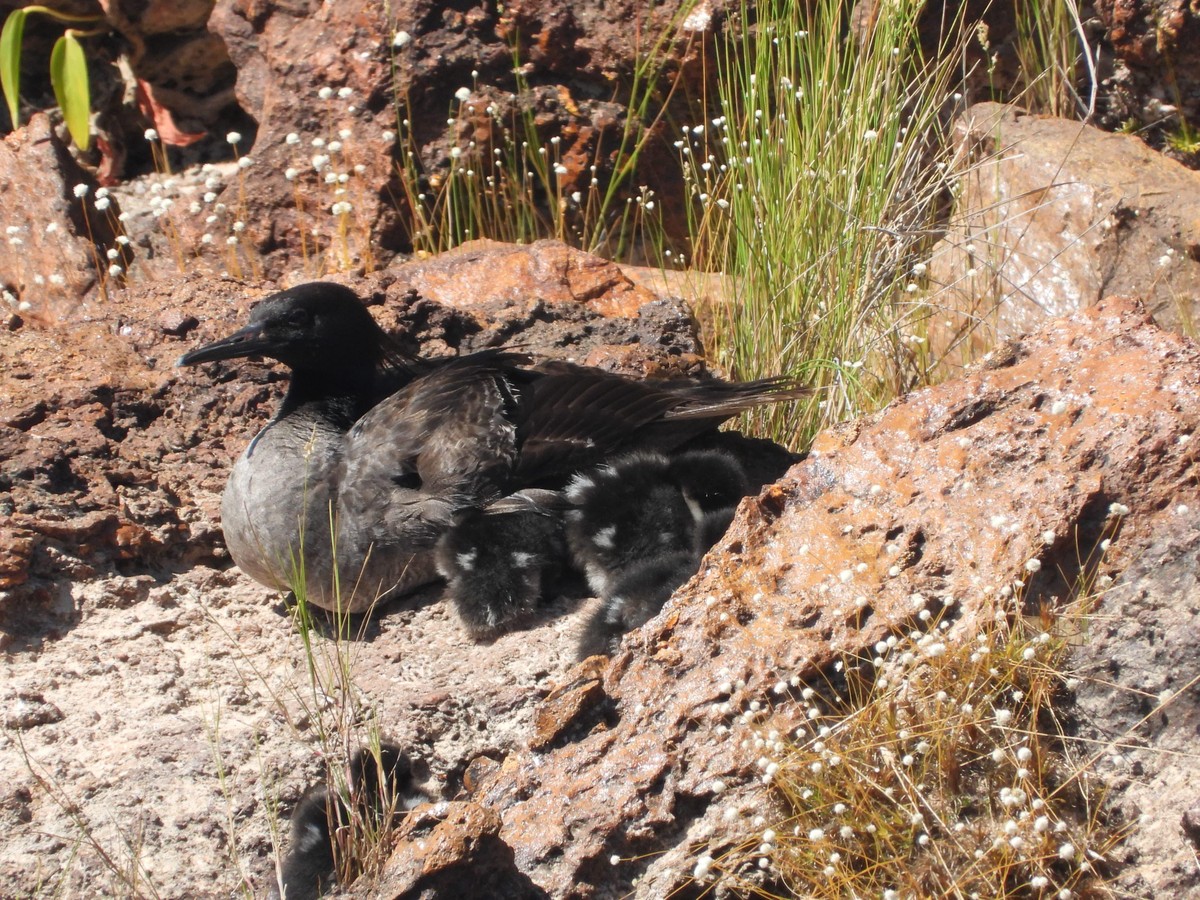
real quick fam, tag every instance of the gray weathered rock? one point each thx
(1052, 215)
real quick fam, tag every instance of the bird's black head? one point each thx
(315, 327)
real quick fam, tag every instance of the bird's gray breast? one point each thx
(284, 529)
(276, 504)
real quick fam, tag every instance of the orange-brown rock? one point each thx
(576, 62)
(55, 243)
(457, 853)
(936, 502)
(555, 301)
(1160, 40)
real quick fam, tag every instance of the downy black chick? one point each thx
(711, 484)
(643, 507)
(381, 790)
(499, 561)
(624, 513)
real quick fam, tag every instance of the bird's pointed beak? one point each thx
(247, 341)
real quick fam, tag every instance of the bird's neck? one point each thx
(342, 396)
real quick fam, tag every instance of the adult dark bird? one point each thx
(373, 455)
(379, 789)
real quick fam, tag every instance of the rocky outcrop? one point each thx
(1159, 42)
(942, 497)
(403, 69)
(1137, 702)
(56, 240)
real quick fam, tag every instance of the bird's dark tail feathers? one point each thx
(711, 399)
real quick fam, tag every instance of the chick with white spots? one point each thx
(498, 562)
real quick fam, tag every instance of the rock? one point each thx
(560, 715)
(29, 709)
(553, 301)
(571, 57)
(1140, 703)
(177, 324)
(54, 240)
(1054, 215)
(150, 64)
(456, 854)
(945, 494)
(16, 549)
(1159, 41)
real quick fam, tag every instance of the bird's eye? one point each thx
(410, 481)
(299, 317)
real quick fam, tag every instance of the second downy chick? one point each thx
(709, 483)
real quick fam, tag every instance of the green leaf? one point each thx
(69, 76)
(10, 61)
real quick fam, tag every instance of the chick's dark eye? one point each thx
(299, 317)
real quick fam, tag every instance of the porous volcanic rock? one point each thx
(577, 63)
(1137, 702)
(1159, 42)
(941, 498)
(53, 239)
